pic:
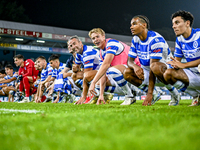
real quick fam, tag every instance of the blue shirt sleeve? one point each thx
(70, 62)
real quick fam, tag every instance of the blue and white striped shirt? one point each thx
(153, 47)
(189, 47)
(12, 83)
(57, 71)
(112, 47)
(48, 71)
(89, 58)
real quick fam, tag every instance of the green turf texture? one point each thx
(83, 127)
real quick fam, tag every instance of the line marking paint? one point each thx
(23, 111)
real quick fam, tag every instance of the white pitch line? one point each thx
(23, 111)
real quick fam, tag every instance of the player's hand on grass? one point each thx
(147, 100)
(56, 100)
(80, 101)
(101, 99)
(38, 100)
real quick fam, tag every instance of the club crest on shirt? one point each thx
(195, 44)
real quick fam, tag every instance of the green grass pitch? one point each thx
(83, 127)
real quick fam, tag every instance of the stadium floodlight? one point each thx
(40, 41)
(19, 39)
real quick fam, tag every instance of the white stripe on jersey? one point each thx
(193, 38)
(89, 58)
(158, 45)
(57, 71)
(119, 46)
(177, 46)
(154, 47)
(189, 48)
(46, 72)
(12, 83)
(133, 54)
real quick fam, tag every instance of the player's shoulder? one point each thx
(135, 39)
(196, 30)
(28, 62)
(87, 48)
(194, 35)
(61, 64)
(111, 41)
(155, 37)
(90, 51)
(49, 66)
(6, 77)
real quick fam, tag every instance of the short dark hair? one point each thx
(9, 66)
(41, 57)
(19, 56)
(2, 71)
(185, 15)
(143, 19)
(53, 57)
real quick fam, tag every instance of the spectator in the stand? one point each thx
(27, 75)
